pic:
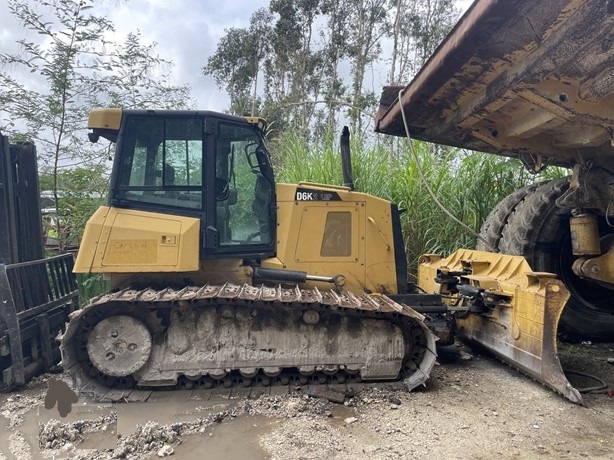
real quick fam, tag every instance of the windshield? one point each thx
(162, 162)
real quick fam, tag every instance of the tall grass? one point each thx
(468, 184)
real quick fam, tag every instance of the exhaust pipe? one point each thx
(346, 159)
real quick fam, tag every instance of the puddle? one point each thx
(233, 438)
(164, 413)
(236, 438)
(340, 412)
(4, 437)
(98, 439)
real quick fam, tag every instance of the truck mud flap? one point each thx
(513, 311)
(35, 300)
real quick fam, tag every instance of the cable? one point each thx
(602, 387)
(425, 182)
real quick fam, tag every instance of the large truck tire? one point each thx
(538, 230)
(490, 233)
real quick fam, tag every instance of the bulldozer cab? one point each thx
(198, 164)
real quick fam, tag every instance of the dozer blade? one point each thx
(514, 311)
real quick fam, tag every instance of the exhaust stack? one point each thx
(346, 158)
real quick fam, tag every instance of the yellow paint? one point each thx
(128, 241)
(520, 323)
(312, 237)
(108, 119)
(301, 236)
(122, 252)
(89, 243)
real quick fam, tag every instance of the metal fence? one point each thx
(35, 300)
(21, 228)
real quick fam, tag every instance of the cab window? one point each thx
(162, 162)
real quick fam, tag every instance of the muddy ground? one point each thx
(473, 407)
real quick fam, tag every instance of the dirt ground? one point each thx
(473, 407)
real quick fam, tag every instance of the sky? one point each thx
(186, 31)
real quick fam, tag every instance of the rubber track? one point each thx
(417, 366)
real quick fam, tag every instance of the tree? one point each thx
(418, 28)
(335, 50)
(54, 117)
(294, 51)
(371, 25)
(83, 191)
(315, 57)
(232, 69)
(237, 62)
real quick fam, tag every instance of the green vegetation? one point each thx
(468, 184)
(90, 286)
(84, 190)
(75, 68)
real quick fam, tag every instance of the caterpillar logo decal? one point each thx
(303, 194)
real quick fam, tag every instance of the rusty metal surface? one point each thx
(517, 78)
(184, 323)
(520, 320)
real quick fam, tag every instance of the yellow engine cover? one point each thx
(128, 241)
(330, 230)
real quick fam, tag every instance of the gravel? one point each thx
(16, 406)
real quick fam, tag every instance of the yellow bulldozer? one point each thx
(221, 276)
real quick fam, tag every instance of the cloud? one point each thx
(187, 32)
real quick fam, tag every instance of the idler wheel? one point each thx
(119, 345)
